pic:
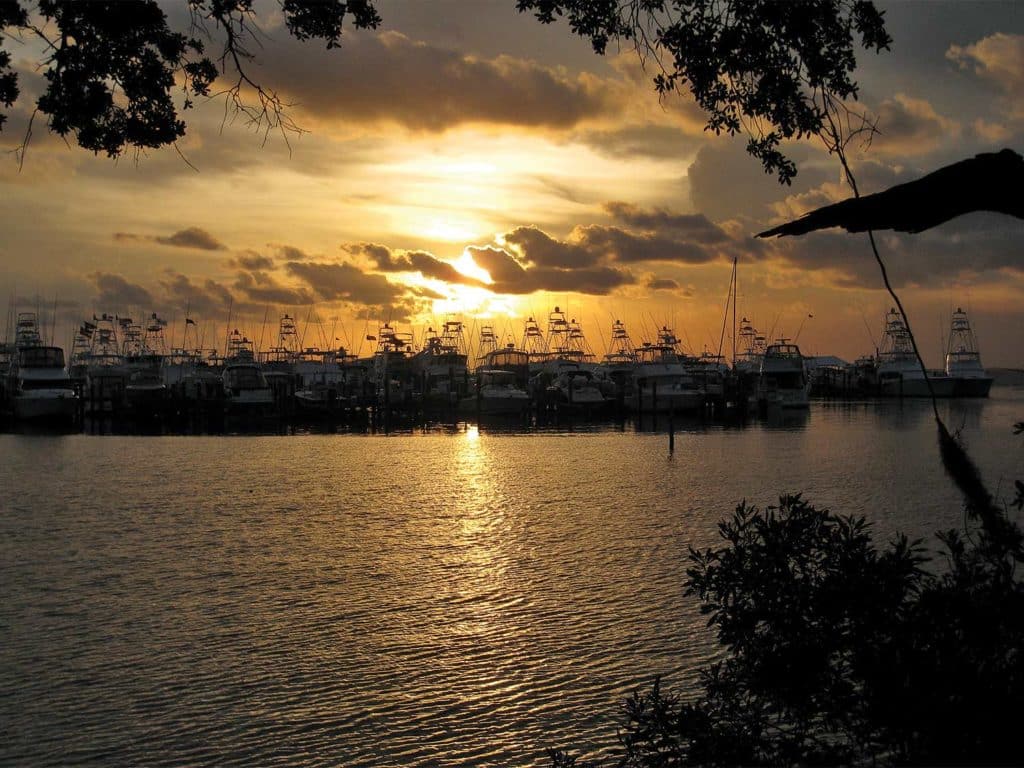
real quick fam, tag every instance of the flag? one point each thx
(85, 331)
(371, 338)
(87, 324)
(189, 321)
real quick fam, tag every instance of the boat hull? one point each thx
(900, 386)
(41, 406)
(978, 386)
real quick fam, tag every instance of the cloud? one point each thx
(261, 287)
(909, 126)
(345, 282)
(289, 252)
(971, 245)
(694, 226)
(511, 276)
(251, 260)
(389, 77)
(727, 183)
(428, 265)
(661, 283)
(645, 141)
(114, 293)
(206, 299)
(192, 237)
(998, 59)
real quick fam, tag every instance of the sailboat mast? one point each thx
(735, 295)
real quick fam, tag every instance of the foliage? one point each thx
(112, 67)
(773, 69)
(839, 652)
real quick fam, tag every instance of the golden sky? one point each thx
(465, 161)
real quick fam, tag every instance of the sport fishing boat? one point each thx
(899, 372)
(660, 381)
(38, 384)
(782, 382)
(245, 387)
(498, 393)
(441, 365)
(963, 361)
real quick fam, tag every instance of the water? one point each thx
(443, 599)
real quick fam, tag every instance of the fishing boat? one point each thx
(963, 360)
(620, 361)
(38, 385)
(497, 393)
(782, 381)
(660, 381)
(145, 391)
(441, 365)
(245, 387)
(899, 372)
(392, 366)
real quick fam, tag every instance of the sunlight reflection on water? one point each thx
(453, 598)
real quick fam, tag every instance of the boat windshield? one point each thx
(42, 357)
(244, 377)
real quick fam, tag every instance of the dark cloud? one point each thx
(289, 252)
(261, 287)
(647, 141)
(192, 237)
(345, 282)
(615, 244)
(727, 183)
(662, 284)
(512, 277)
(692, 226)
(428, 265)
(909, 126)
(388, 77)
(251, 260)
(201, 300)
(114, 293)
(979, 243)
(539, 248)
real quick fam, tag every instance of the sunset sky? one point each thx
(465, 161)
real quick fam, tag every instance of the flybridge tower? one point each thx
(622, 346)
(533, 341)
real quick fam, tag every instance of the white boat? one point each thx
(899, 371)
(498, 392)
(441, 365)
(963, 361)
(38, 384)
(660, 381)
(782, 382)
(245, 387)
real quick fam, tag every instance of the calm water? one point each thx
(444, 599)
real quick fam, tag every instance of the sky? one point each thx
(465, 162)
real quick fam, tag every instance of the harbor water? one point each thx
(443, 597)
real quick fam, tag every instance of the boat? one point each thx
(146, 391)
(782, 381)
(497, 393)
(963, 361)
(660, 381)
(620, 361)
(245, 387)
(38, 385)
(441, 365)
(899, 372)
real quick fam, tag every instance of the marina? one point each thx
(123, 371)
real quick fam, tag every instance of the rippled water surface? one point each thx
(460, 597)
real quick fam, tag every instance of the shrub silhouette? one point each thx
(842, 652)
